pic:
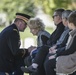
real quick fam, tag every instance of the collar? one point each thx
(72, 32)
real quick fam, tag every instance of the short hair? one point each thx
(66, 13)
(72, 17)
(59, 12)
(36, 23)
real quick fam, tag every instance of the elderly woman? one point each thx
(37, 28)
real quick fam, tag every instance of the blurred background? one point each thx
(36, 8)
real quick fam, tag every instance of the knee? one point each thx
(44, 48)
(46, 65)
(49, 64)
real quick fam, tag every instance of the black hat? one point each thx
(22, 16)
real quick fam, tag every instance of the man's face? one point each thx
(22, 25)
(56, 18)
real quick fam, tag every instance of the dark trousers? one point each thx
(28, 61)
(73, 73)
(41, 55)
(40, 58)
(19, 63)
(49, 66)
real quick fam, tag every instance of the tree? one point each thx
(10, 7)
(49, 6)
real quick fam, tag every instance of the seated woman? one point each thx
(37, 28)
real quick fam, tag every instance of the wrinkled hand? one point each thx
(52, 48)
(53, 51)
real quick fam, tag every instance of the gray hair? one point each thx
(66, 13)
(36, 23)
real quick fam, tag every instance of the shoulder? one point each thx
(11, 29)
(45, 33)
(15, 30)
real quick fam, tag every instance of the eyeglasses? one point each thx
(54, 16)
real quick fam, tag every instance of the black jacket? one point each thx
(9, 48)
(56, 34)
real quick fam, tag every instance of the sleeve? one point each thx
(63, 43)
(14, 43)
(44, 39)
(71, 50)
(59, 50)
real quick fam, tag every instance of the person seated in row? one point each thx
(50, 61)
(43, 51)
(66, 60)
(37, 28)
(62, 42)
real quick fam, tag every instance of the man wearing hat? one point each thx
(10, 55)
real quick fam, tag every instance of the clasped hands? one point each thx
(52, 51)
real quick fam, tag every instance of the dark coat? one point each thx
(9, 48)
(56, 34)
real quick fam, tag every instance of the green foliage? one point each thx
(10, 7)
(49, 6)
(61, 3)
